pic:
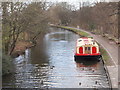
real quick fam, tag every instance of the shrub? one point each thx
(6, 64)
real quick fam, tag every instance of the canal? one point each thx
(51, 64)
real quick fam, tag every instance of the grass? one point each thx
(104, 53)
(81, 33)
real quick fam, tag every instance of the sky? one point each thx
(69, 1)
(76, 2)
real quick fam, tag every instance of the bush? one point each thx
(6, 64)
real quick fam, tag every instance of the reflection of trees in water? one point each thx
(62, 35)
(58, 36)
(38, 55)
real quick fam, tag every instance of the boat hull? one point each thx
(88, 57)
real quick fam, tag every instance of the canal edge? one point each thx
(107, 73)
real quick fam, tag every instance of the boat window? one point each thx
(88, 48)
(79, 40)
(85, 48)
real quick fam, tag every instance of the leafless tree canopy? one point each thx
(20, 18)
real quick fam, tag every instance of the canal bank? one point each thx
(109, 46)
(20, 48)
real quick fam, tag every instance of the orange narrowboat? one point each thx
(87, 48)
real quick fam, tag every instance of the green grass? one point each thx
(104, 53)
(81, 33)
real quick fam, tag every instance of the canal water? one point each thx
(51, 64)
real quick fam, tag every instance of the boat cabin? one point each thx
(87, 47)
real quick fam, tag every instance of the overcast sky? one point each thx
(69, 1)
(75, 2)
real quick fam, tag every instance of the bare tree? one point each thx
(20, 17)
(61, 13)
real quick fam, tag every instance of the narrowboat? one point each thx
(87, 48)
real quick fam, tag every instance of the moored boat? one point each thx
(87, 48)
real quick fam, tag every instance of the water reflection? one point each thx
(87, 63)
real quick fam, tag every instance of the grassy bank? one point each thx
(84, 34)
(104, 53)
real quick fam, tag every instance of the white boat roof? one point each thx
(86, 41)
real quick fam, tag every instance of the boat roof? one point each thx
(86, 41)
